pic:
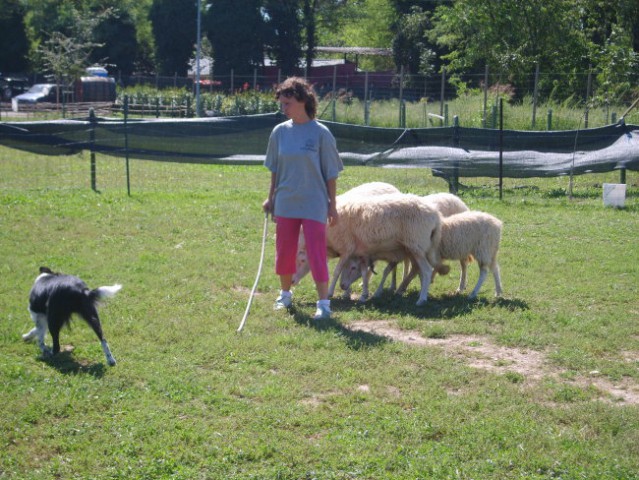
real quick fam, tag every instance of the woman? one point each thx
(304, 163)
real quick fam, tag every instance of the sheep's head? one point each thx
(301, 266)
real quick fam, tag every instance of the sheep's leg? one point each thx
(482, 276)
(425, 276)
(463, 276)
(414, 270)
(336, 273)
(364, 271)
(393, 284)
(497, 278)
(391, 267)
(406, 268)
(410, 272)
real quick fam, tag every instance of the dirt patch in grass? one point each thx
(481, 353)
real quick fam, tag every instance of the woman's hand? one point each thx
(333, 216)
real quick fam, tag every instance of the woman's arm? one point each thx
(331, 187)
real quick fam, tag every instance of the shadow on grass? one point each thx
(64, 363)
(443, 307)
(354, 339)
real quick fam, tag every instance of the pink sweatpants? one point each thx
(287, 233)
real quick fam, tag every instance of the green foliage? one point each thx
(283, 37)
(236, 31)
(563, 38)
(66, 56)
(568, 114)
(242, 103)
(174, 29)
(363, 23)
(119, 48)
(512, 39)
(14, 46)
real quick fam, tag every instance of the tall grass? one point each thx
(470, 109)
(293, 399)
(473, 113)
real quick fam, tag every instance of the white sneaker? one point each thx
(283, 301)
(323, 312)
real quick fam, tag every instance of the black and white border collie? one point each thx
(54, 297)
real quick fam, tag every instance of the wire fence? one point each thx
(387, 99)
(23, 171)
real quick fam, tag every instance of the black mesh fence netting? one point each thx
(450, 152)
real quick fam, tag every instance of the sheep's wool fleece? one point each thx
(384, 222)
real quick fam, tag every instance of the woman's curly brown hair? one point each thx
(301, 90)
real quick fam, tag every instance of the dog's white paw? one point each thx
(27, 337)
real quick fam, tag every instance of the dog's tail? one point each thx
(105, 292)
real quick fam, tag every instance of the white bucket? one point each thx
(614, 194)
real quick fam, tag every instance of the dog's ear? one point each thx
(45, 270)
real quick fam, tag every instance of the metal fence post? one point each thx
(334, 114)
(484, 118)
(441, 95)
(126, 144)
(92, 122)
(535, 94)
(588, 88)
(367, 104)
(453, 186)
(402, 106)
(501, 147)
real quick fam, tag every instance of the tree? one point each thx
(174, 24)
(613, 33)
(410, 49)
(512, 37)
(361, 23)
(67, 56)
(327, 15)
(236, 31)
(14, 46)
(284, 33)
(309, 19)
(119, 46)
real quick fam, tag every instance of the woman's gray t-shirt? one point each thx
(303, 158)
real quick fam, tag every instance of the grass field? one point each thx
(542, 383)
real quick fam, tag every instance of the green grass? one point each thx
(470, 111)
(289, 398)
(468, 108)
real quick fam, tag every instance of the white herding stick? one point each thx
(257, 277)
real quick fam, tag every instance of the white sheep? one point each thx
(363, 190)
(388, 227)
(445, 203)
(465, 236)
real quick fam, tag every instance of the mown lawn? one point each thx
(542, 383)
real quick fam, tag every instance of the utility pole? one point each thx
(197, 59)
